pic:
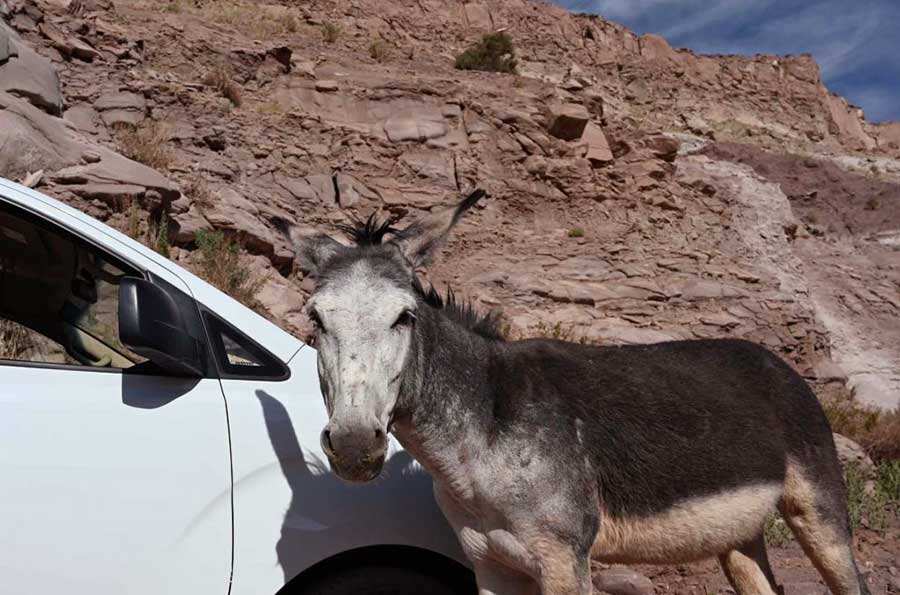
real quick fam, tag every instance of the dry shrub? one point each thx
(145, 143)
(251, 18)
(15, 340)
(331, 32)
(219, 79)
(220, 265)
(878, 432)
(883, 441)
(199, 192)
(379, 50)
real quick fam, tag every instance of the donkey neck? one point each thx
(445, 400)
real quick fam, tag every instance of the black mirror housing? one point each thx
(151, 325)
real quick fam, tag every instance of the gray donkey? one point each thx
(546, 454)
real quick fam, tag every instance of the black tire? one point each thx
(379, 580)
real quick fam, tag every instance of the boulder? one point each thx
(400, 129)
(4, 44)
(232, 211)
(568, 121)
(113, 168)
(663, 147)
(68, 45)
(478, 16)
(121, 107)
(327, 86)
(188, 223)
(31, 140)
(655, 47)
(83, 117)
(598, 151)
(851, 453)
(26, 74)
(619, 332)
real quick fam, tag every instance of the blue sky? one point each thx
(855, 42)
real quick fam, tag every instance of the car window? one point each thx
(58, 297)
(237, 356)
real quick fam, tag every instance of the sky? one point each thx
(855, 42)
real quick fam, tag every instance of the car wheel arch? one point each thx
(395, 556)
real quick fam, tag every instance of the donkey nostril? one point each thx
(326, 441)
(379, 434)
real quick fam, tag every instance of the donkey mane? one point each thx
(372, 231)
(461, 312)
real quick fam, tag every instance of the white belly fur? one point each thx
(691, 530)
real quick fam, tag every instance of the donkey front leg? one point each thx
(563, 570)
(494, 578)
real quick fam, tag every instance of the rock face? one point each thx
(618, 212)
(26, 74)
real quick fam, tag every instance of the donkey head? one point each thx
(364, 311)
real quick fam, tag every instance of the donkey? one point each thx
(545, 454)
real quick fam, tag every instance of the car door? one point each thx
(114, 477)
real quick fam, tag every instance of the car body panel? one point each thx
(122, 463)
(290, 510)
(112, 483)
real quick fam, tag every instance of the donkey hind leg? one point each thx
(819, 520)
(747, 569)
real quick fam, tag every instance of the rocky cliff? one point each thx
(639, 192)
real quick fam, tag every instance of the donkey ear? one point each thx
(422, 239)
(311, 249)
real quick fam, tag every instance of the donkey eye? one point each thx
(406, 318)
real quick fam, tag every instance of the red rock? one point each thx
(598, 151)
(568, 121)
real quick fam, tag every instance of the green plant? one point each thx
(888, 482)
(133, 221)
(493, 52)
(158, 235)
(145, 143)
(576, 232)
(866, 506)
(873, 204)
(878, 432)
(220, 264)
(379, 50)
(776, 532)
(330, 32)
(554, 331)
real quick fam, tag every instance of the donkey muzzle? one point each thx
(356, 452)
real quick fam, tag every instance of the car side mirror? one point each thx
(151, 325)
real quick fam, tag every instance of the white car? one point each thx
(158, 437)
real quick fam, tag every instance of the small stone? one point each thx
(621, 580)
(90, 156)
(326, 86)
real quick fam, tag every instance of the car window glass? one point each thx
(239, 356)
(58, 297)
